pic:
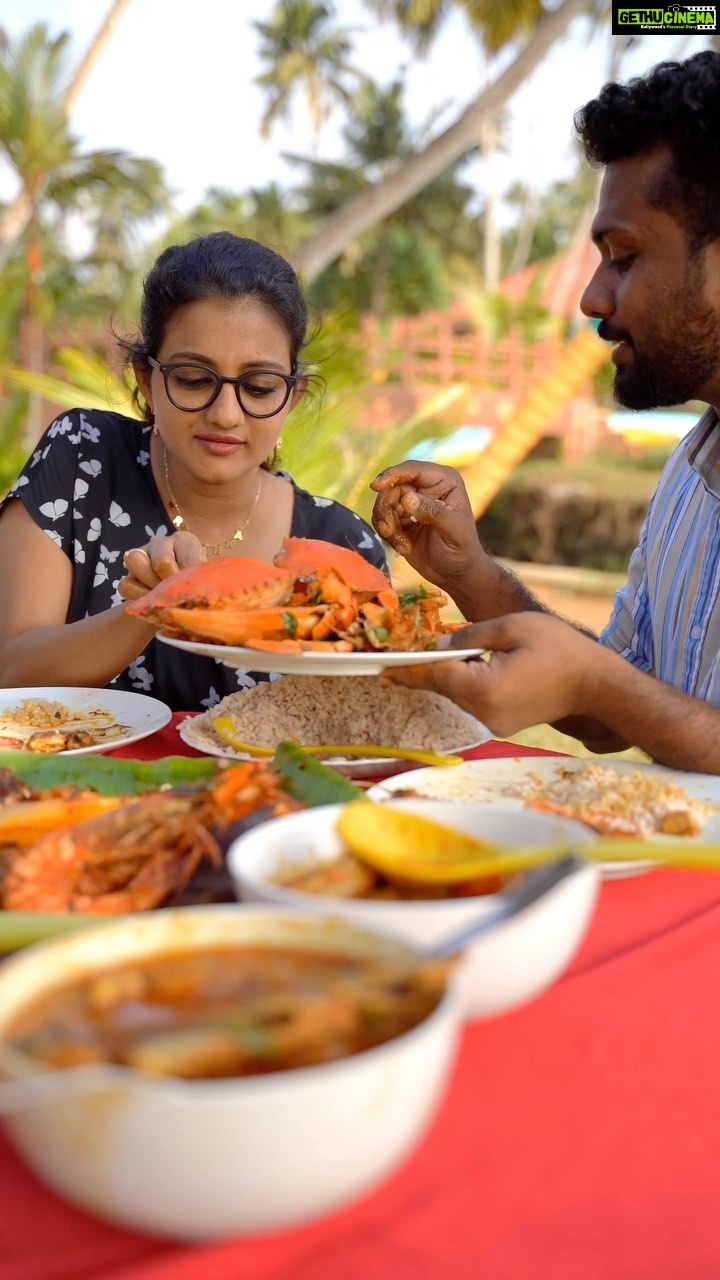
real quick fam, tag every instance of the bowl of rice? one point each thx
(323, 711)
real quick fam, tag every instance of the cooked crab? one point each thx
(315, 596)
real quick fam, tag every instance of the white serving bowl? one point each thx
(194, 1160)
(500, 970)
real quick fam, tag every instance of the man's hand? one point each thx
(539, 670)
(424, 513)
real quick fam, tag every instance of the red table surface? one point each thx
(579, 1139)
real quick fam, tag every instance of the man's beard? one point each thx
(669, 378)
(682, 355)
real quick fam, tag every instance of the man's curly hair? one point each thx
(675, 105)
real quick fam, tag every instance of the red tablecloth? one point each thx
(580, 1139)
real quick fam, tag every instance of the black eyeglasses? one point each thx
(192, 387)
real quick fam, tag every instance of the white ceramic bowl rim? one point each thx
(21, 1066)
(296, 900)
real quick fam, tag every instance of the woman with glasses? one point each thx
(108, 505)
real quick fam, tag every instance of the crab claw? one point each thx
(309, 556)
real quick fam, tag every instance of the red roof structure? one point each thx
(560, 280)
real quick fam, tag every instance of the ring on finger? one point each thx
(134, 551)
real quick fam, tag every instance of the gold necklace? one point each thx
(210, 548)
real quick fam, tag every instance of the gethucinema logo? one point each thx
(669, 20)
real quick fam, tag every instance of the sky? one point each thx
(177, 85)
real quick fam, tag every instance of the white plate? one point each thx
(316, 664)
(476, 781)
(359, 769)
(134, 715)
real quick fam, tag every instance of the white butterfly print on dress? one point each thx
(94, 529)
(88, 431)
(93, 467)
(141, 678)
(60, 427)
(54, 510)
(367, 542)
(118, 517)
(323, 502)
(81, 488)
(245, 680)
(212, 699)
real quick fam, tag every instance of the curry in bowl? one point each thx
(229, 1011)
(197, 1154)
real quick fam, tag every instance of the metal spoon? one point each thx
(513, 900)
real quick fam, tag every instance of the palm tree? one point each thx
(268, 214)
(497, 23)
(405, 264)
(56, 179)
(304, 49)
(32, 105)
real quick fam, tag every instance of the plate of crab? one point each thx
(318, 609)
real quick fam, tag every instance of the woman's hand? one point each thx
(424, 513)
(159, 558)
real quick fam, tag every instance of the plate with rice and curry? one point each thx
(316, 711)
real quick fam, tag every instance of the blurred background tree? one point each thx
(393, 227)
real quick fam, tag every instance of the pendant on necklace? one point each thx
(178, 522)
(237, 536)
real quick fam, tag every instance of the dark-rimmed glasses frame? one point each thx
(289, 379)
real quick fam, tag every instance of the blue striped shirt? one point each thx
(666, 619)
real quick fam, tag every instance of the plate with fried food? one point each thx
(76, 721)
(615, 798)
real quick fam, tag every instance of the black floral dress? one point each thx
(89, 486)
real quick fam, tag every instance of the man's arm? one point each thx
(542, 671)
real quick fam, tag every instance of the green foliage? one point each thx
(409, 262)
(303, 47)
(328, 446)
(90, 383)
(12, 452)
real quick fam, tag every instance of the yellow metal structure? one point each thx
(581, 357)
